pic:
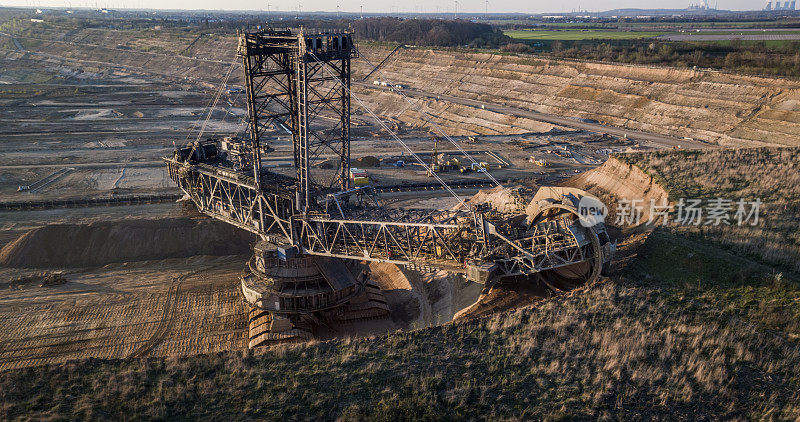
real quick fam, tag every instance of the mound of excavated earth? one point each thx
(503, 199)
(100, 243)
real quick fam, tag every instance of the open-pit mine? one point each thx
(301, 244)
(286, 185)
(232, 215)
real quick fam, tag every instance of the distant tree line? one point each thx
(433, 32)
(782, 59)
(774, 58)
(424, 32)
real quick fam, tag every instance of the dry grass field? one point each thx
(608, 351)
(771, 175)
(748, 272)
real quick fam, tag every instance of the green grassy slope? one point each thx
(750, 272)
(771, 175)
(733, 285)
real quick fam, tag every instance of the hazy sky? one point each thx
(393, 5)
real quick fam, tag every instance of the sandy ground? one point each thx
(179, 306)
(167, 307)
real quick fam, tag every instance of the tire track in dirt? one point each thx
(168, 314)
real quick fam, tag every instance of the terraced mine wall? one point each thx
(454, 119)
(728, 109)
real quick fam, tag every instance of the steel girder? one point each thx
(323, 98)
(445, 246)
(439, 239)
(301, 80)
(232, 200)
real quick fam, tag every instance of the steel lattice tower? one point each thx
(301, 81)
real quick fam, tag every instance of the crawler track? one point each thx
(371, 305)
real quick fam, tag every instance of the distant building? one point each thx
(700, 6)
(787, 5)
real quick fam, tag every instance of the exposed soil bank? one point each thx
(100, 243)
(712, 106)
(615, 180)
(421, 300)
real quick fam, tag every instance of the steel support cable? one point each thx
(242, 121)
(427, 118)
(209, 104)
(213, 106)
(197, 122)
(242, 125)
(230, 107)
(394, 136)
(438, 128)
(216, 99)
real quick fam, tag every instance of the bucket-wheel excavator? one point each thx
(316, 230)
